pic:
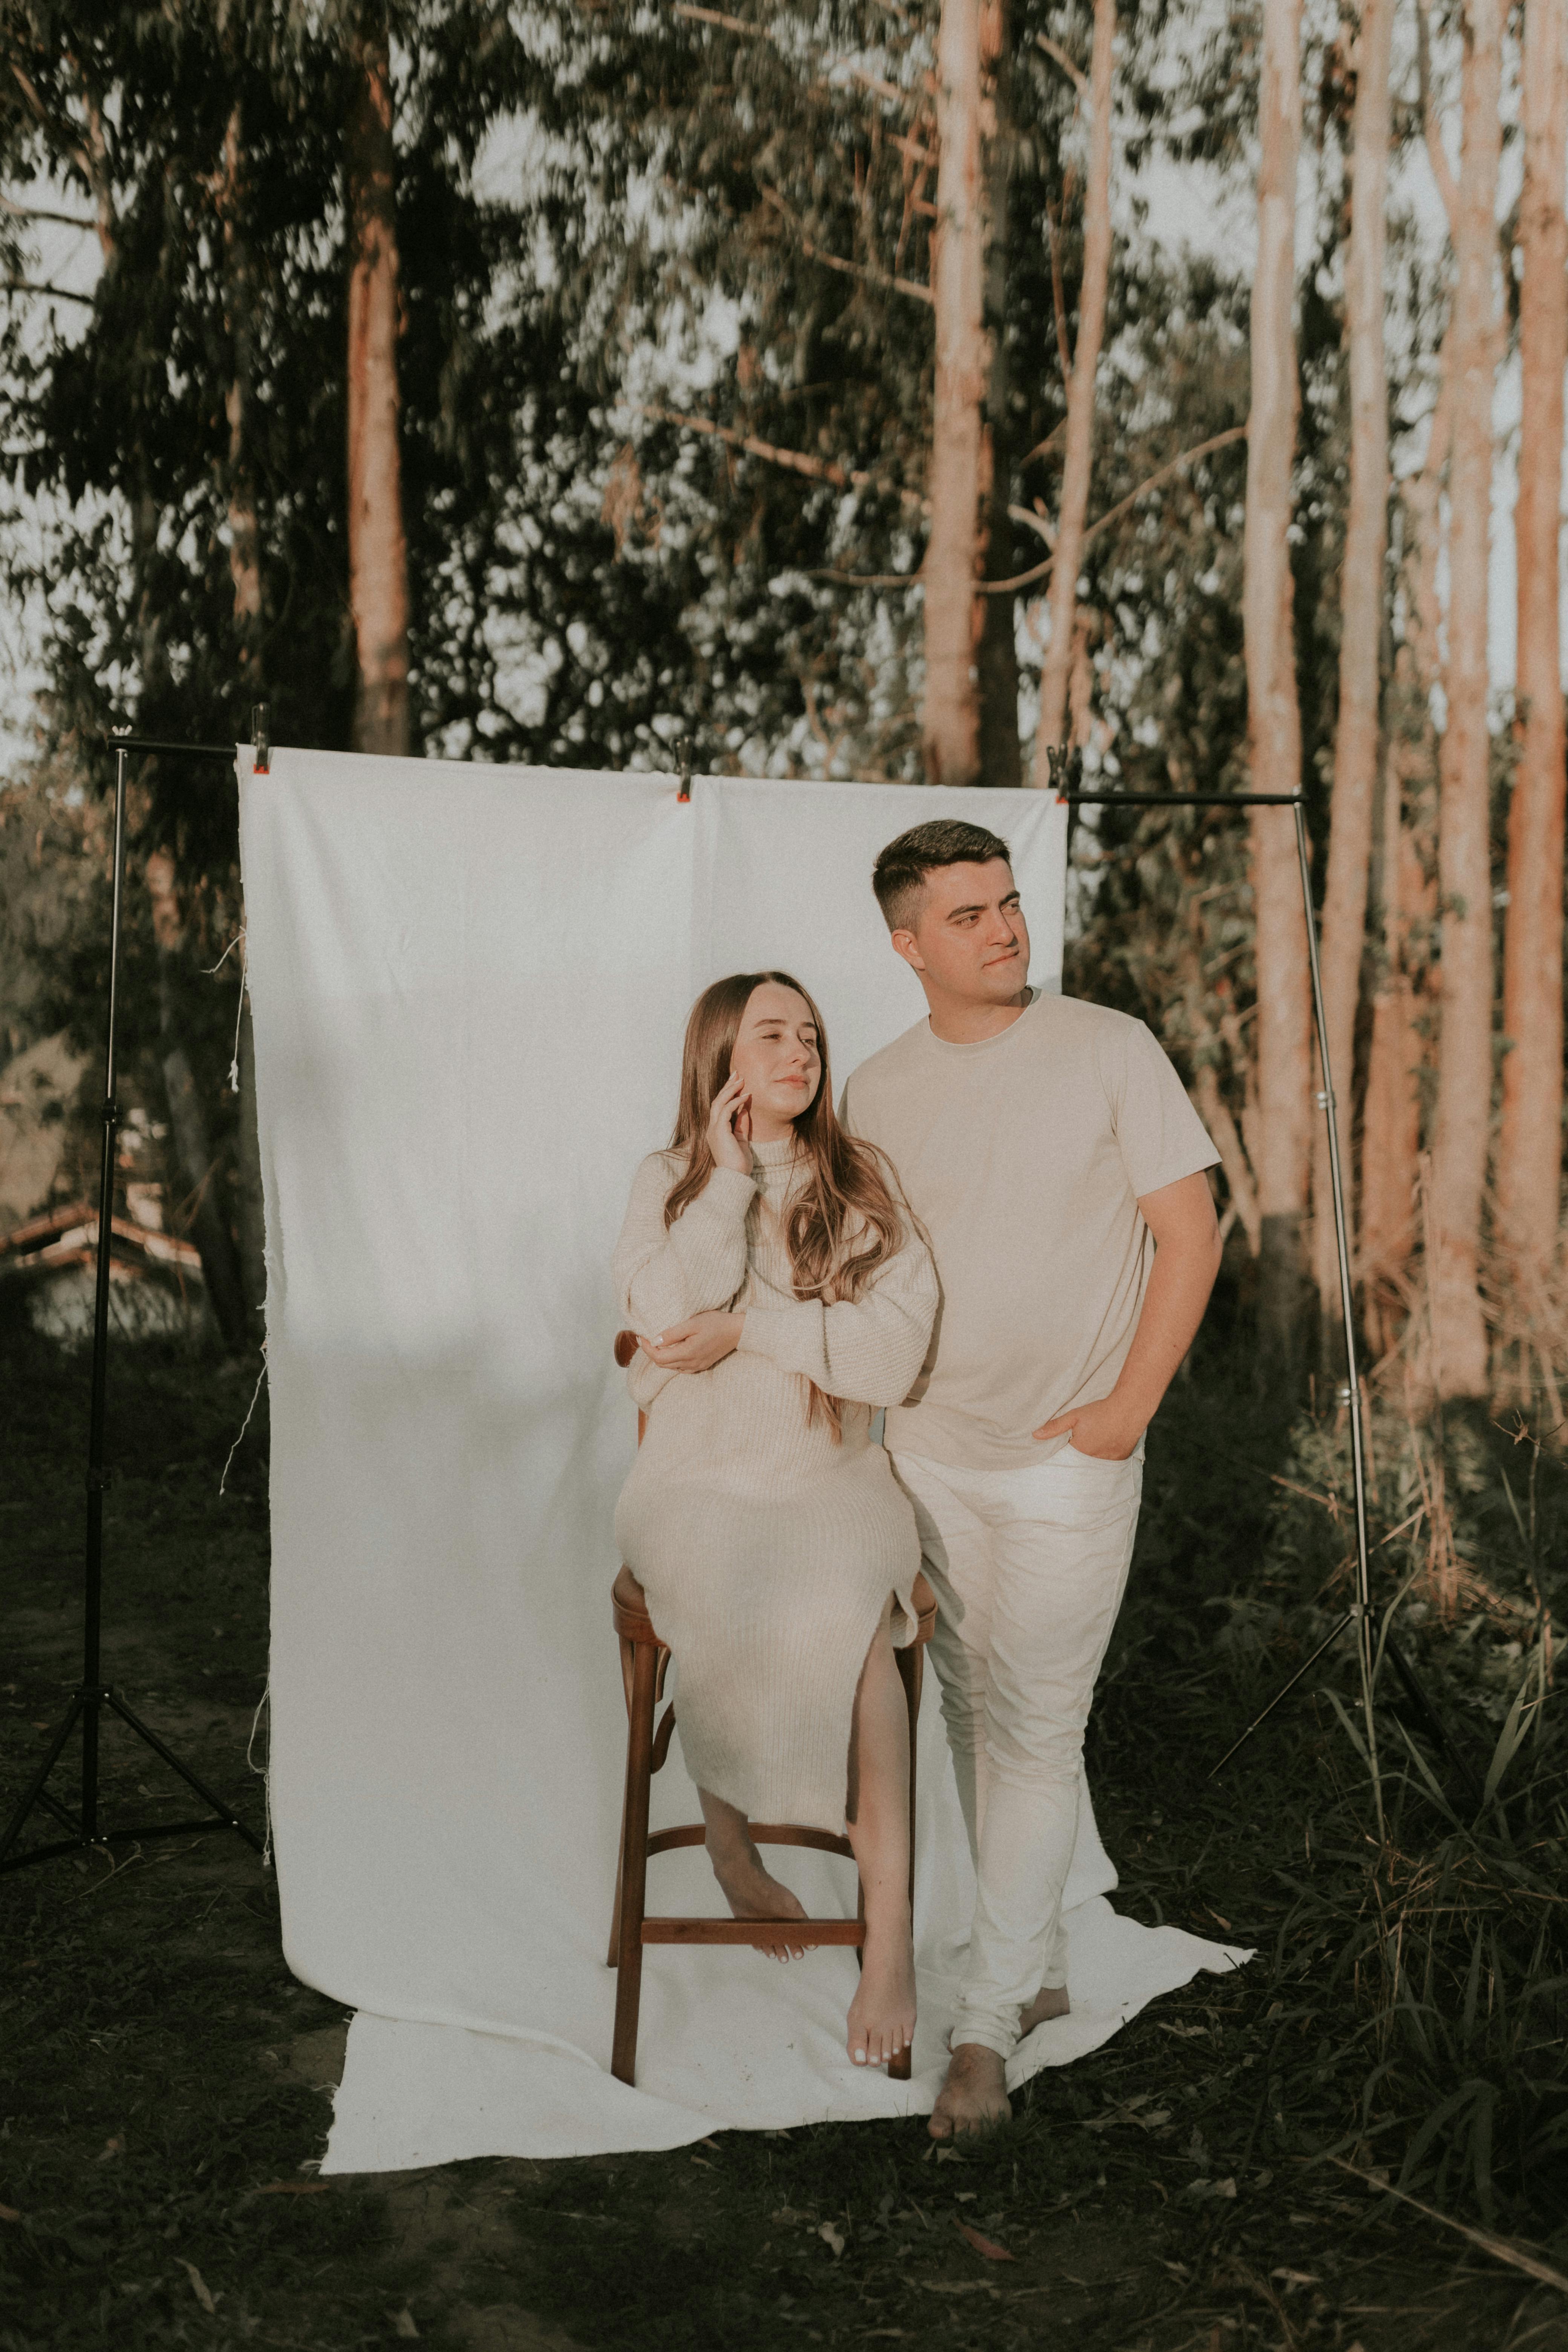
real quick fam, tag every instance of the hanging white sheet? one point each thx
(468, 987)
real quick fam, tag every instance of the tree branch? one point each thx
(1052, 50)
(35, 211)
(729, 23)
(850, 269)
(1438, 154)
(58, 293)
(1058, 298)
(1115, 513)
(794, 461)
(1035, 522)
(1028, 579)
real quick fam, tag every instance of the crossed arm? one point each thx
(1187, 1259)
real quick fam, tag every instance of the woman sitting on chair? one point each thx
(780, 1291)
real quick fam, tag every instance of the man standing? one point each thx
(1048, 1149)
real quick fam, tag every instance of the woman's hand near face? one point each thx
(696, 1345)
(729, 1126)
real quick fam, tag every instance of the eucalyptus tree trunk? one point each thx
(1458, 1335)
(1273, 717)
(1390, 1110)
(1056, 674)
(1361, 625)
(1530, 1155)
(996, 652)
(968, 50)
(245, 572)
(239, 309)
(378, 555)
(205, 1220)
(1401, 1048)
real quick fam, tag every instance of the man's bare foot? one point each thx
(753, 1893)
(974, 2097)
(882, 2014)
(1051, 2000)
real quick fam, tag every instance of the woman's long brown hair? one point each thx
(844, 1221)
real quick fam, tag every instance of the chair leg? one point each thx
(910, 1664)
(628, 1653)
(634, 1863)
(612, 1959)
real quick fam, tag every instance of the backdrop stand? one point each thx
(1369, 1618)
(93, 1696)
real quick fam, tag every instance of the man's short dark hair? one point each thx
(899, 874)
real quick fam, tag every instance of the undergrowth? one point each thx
(1428, 1870)
(1181, 2186)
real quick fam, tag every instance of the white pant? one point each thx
(1029, 1567)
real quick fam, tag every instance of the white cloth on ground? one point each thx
(1029, 1567)
(469, 986)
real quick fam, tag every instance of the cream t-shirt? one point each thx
(1024, 1157)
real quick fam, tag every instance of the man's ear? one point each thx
(904, 945)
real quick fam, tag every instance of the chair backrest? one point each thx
(625, 1349)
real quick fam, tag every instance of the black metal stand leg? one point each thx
(92, 1696)
(1283, 1692)
(34, 1792)
(225, 1812)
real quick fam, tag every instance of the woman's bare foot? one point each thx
(882, 2014)
(974, 2096)
(1051, 2000)
(750, 1892)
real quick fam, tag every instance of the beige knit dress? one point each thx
(768, 1551)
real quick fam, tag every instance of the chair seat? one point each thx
(628, 1609)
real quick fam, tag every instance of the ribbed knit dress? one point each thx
(769, 1552)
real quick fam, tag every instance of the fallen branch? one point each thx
(850, 269)
(1499, 2248)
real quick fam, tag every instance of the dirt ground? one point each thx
(165, 2083)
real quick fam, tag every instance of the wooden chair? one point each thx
(644, 1663)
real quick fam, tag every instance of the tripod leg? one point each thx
(35, 1787)
(225, 1812)
(1330, 1638)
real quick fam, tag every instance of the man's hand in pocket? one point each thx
(1104, 1429)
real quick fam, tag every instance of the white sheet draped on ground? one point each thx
(468, 986)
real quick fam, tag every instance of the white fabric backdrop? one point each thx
(468, 987)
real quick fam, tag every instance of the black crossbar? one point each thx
(1182, 800)
(180, 750)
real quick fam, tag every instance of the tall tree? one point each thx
(968, 49)
(378, 552)
(1530, 1154)
(996, 651)
(1362, 596)
(1463, 1118)
(1056, 674)
(1273, 715)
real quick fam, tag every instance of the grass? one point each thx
(161, 2110)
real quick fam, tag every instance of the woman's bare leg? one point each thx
(749, 1889)
(883, 2013)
